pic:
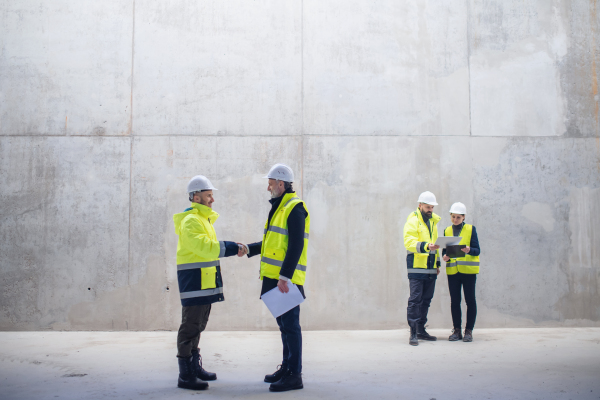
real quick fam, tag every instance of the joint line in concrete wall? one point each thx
(130, 127)
(131, 140)
(469, 59)
(593, 50)
(302, 98)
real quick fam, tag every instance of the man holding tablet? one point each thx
(420, 234)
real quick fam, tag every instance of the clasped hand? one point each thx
(243, 250)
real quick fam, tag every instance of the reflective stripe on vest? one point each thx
(268, 260)
(280, 230)
(201, 293)
(422, 271)
(205, 264)
(429, 252)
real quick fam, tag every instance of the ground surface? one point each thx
(500, 364)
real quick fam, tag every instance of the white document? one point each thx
(444, 241)
(279, 303)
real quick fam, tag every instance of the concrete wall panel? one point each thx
(64, 230)
(535, 209)
(385, 68)
(515, 52)
(65, 67)
(227, 68)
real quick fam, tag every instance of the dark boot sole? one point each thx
(431, 339)
(454, 339)
(467, 340)
(413, 343)
(204, 378)
(286, 389)
(183, 386)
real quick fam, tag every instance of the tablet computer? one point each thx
(455, 251)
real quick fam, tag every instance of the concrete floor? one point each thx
(556, 363)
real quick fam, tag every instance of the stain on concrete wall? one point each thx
(494, 104)
(581, 67)
(580, 301)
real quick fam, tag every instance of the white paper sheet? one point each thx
(444, 241)
(279, 303)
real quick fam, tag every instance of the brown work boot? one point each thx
(456, 335)
(468, 336)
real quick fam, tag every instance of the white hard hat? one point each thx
(427, 198)
(199, 183)
(281, 172)
(458, 208)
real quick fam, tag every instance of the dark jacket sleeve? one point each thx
(231, 249)
(254, 249)
(475, 249)
(296, 223)
(444, 249)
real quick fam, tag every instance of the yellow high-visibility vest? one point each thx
(276, 239)
(467, 264)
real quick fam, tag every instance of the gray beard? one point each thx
(275, 195)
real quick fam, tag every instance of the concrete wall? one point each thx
(108, 108)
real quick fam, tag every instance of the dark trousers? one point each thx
(421, 293)
(193, 323)
(467, 281)
(291, 336)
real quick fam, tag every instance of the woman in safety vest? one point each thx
(462, 271)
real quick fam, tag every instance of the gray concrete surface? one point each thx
(550, 363)
(107, 109)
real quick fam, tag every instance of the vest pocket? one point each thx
(209, 276)
(420, 260)
(276, 254)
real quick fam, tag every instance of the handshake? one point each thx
(243, 249)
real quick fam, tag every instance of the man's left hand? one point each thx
(466, 249)
(283, 286)
(438, 271)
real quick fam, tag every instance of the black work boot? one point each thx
(275, 376)
(423, 335)
(456, 335)
(201, 373)
(289, 381)
(187, 375)
(468, 336)
(413, 341)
